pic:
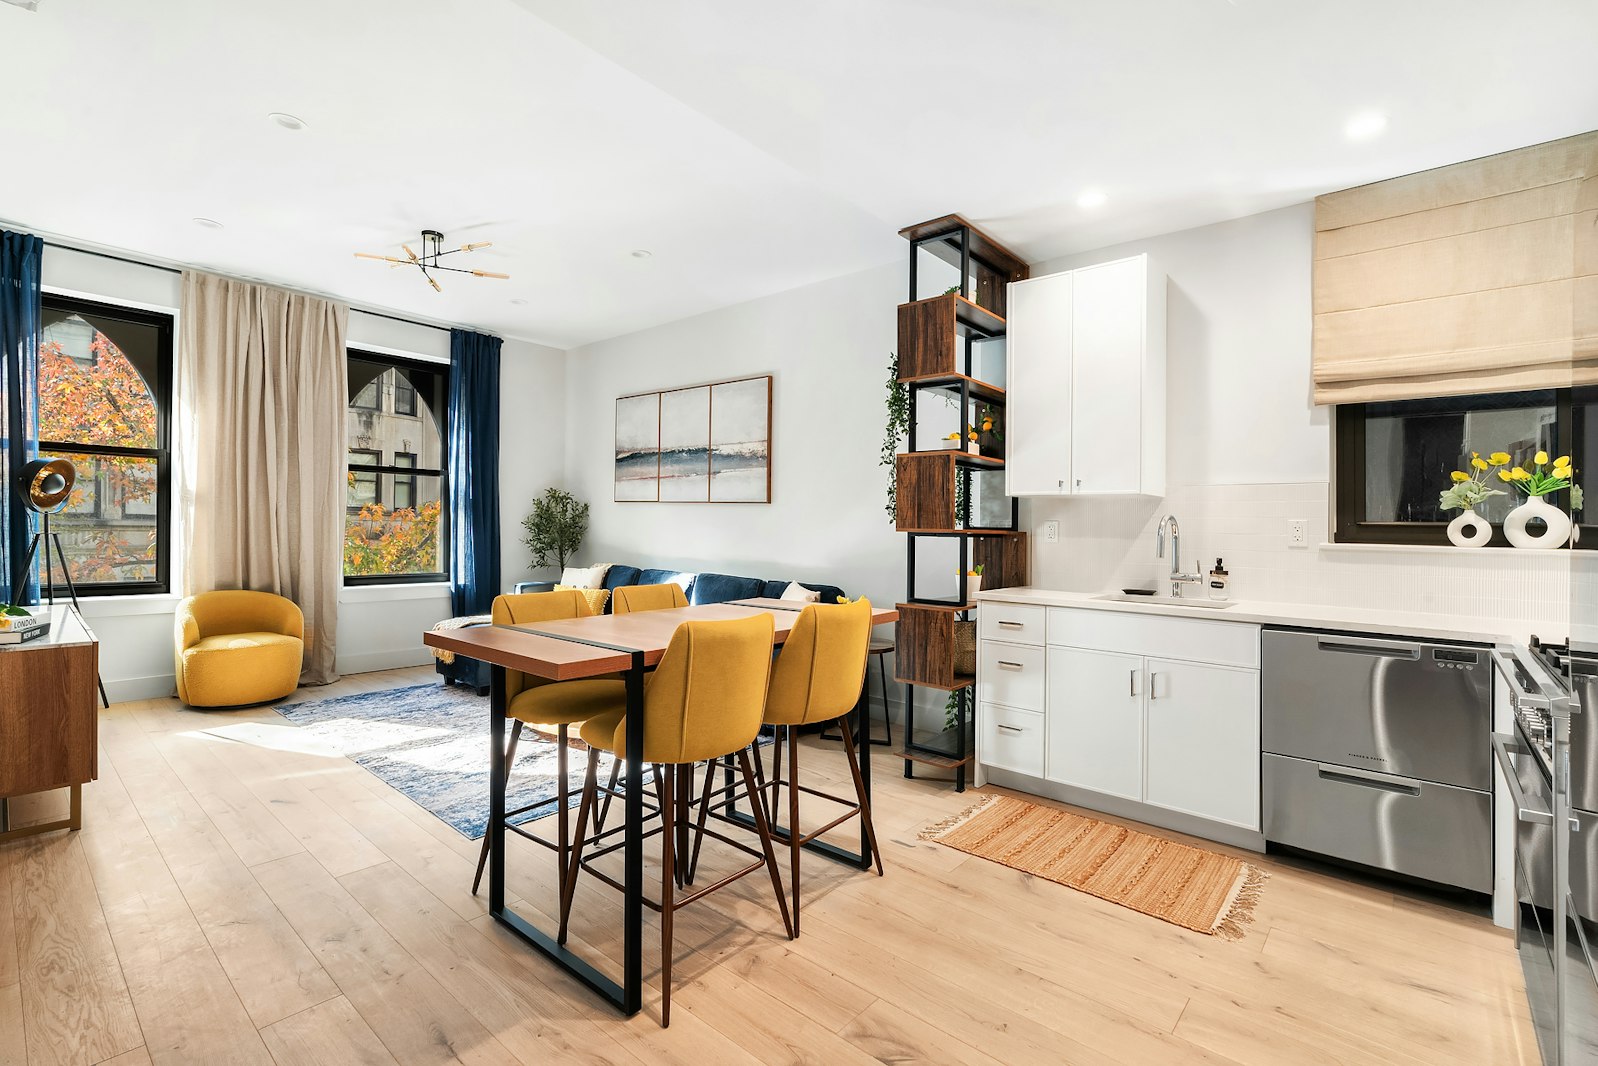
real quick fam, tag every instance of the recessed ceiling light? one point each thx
(207, 223)
(642, 253)
(519, 301)
(1091, 198)
(1365, 125)
(287, 121)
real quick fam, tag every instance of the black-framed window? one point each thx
(397, 526)
(104, 394)
(1394, 459)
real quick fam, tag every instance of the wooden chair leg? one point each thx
(704, 813)
(510, 759)
(668, 881)
(590, 786)
(794, 836)
(610, 788)
(860, 792)
(763, 830)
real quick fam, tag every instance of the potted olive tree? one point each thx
(555, 527)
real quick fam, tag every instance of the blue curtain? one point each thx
(473, 471)
(20, 256)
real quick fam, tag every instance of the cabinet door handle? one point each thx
(1011, 625)
(1153, 691)
(1131, 682)
(1006, 664)
(1078, 482)
(1009, 728)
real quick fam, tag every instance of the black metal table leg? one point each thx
(628, 995)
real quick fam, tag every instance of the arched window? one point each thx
(104, 383)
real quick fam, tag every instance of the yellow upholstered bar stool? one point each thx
(630, 598)
(817, 679)
(703, 702)
(548, 704)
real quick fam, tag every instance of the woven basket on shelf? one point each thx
(965, 648)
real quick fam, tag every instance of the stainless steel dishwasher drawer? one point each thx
(1437, 832)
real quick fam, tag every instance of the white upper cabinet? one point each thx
(1038, 340)
(1086, 382)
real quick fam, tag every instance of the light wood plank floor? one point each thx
(241, 896)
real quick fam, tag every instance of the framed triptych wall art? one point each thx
(701, 444)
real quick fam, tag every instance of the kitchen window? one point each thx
(396, 527)
(104, 394)
(1394, 458)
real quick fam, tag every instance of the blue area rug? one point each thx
(431, 743)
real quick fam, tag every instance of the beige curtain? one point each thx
(262, 399)
(1476, 277)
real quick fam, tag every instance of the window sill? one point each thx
(137, 603)
(1445, 549)
(399, 590)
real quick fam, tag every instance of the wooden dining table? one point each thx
(576, 648)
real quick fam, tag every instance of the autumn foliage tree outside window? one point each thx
(103, 375)
(394, 527)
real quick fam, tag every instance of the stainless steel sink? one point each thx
(1169, 601)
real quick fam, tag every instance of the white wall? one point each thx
(827, 346)
(380, 627)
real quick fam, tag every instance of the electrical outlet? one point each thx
(1051, 532)
(1297, 533)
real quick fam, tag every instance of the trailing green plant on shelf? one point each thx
(897, 429)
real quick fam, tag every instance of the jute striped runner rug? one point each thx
(1186, 886)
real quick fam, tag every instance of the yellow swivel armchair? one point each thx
(236, 647)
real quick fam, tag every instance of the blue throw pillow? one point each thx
(616, 577)
(719, 588)
(667, 577)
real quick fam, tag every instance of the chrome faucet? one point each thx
(1178, 579)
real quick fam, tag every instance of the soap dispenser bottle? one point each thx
(1219, 581)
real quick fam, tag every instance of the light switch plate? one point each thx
(1297, 533)
(1051, 532)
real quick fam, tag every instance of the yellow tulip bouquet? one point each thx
(1470, 489)
(1537, 481)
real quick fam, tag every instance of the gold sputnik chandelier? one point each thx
(428, 262)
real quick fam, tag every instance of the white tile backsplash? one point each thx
(1108, 543)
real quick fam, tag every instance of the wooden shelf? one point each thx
(959, 681)
(979, 390)
(933, 333)
(924, 647)
(965, 533)
(940, 605)
(984, 249)
(976, 462)
(942, 762)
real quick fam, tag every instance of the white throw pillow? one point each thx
(796, 591)
(585, 577)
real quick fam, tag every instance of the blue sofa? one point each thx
(699, 588)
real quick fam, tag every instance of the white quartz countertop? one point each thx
(1304, 615)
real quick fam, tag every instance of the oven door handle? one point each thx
(1511, 665)
(1523, 811)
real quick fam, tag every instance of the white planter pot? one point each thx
(1469, 530)
(1556, 535)
(973, 585)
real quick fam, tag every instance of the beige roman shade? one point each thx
(1476, 277)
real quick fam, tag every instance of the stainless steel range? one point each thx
(1550, 764)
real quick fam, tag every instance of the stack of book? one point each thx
(21, 628)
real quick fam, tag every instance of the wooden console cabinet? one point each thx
(49, 717)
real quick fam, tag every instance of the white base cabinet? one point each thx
(1163, 712)
(1202, 747)
(1095, 717)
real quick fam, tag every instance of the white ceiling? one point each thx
(752, 147)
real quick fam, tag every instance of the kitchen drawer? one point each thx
(1192, 639)
(1438, 832)
(1010, 739)
(1010, 622)
(1011, 674)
